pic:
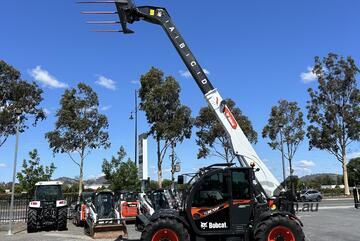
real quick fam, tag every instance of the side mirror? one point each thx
(180, 179)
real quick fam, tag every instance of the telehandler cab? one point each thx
(224, 202)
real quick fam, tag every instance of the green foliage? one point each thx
(354, 171)
(2, 188)
(324, 179)
(212, 138)
(17, 95)
(336, 192)
(334, 109)
(170, 121)
(73, 188)
(285, 127)
(166, 183)
(79, 127)
(153, 185)
(121, 175)
(33, 172)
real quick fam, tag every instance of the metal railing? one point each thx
(21, 206)
(20, 210)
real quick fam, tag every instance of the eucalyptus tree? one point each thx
(80, 127)
(285, 129)
(19, 101)
(334, 108)
(170, 121)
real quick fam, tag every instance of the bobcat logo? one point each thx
(203, 225)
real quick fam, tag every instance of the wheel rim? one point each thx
(281, 233)
(165, 234)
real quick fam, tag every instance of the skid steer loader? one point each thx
(102, 217)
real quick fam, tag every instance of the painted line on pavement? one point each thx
(335, 207)
(71, 236)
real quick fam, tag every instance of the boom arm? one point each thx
(128, 13)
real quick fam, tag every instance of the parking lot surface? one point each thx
(336, 220)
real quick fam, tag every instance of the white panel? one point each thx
(143, 157)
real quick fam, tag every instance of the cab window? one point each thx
(212, 191)
(240, 184)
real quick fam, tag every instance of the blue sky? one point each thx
(257, 52)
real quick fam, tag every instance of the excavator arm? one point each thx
(128, 14)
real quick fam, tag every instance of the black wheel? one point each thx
(165, 229)
(278, 228)
(62, 219)
(32, 220)
(318, 199)
(303, 199)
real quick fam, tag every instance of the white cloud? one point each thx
(305, 164)
(44, 77)
(3, 165)
(187, 75)
(308, 76)
(135, 82)
(106, 82)
(47, 111)
(105, 107)
(303, 167)
(92, 177)
(353, 155)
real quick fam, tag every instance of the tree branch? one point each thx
(73, 159)
(2, 143)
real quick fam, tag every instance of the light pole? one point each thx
(135, 119)
(18, 112)
(282, 155)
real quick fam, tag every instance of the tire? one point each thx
(319, 199)
(303, 199)
(165, 229)
(278, 226)
(62, 219)
(31, 220)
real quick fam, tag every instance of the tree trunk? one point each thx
(81, 178)
(159, 164)
(345, 174)
(172, 163)
(292, 186)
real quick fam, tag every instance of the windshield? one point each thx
(48, 192)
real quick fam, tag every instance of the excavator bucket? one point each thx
(123, 10)
(114, 231)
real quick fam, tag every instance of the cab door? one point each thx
(241, 205)
(209, 203)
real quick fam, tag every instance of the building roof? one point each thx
(48, 183)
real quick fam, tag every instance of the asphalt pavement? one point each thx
(335, 219)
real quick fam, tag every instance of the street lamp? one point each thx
(282, 154)
(18, 113)
(135, 118)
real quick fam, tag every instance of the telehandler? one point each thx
(223, 202)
